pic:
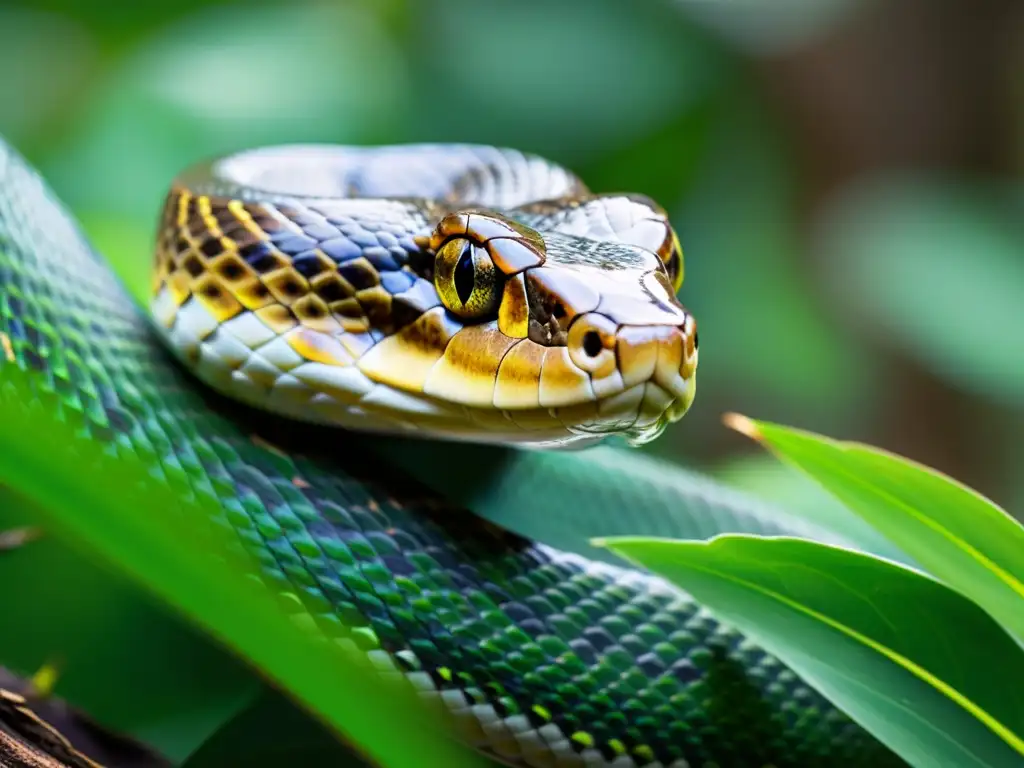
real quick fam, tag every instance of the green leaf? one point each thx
(67, 607)
(951, 531)
(95, 499)
(927, 671)
(272, 732)
(765, 478)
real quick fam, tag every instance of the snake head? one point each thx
(356, 287)
(547, 337)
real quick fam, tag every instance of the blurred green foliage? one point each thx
(940, 267)
(812, 307)
(663, 97)
(67, 619)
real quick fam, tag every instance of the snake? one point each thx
(440, 294)
(452, 292)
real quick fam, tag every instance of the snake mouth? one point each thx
(641, 413)
(653, 386)
(638, 414)
(608, 380)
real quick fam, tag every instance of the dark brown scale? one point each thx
(376, 303)
(350, 308)
(252, 292)
(224, 217)
(359, 273)
(193, 265)
(211, 247)
(286, 284)
(261, 256)
(403, 313)
(191, 211)
(312, 311)
(672, 265)
(243, 238)
(195, 222)
(230, 268)
(266, 222)
(421, 262)
(331, 287)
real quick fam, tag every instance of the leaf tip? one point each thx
(743, 425)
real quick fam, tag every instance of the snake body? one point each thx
(541, 657)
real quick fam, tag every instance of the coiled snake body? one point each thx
(460, 292)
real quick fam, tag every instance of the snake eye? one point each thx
(466, 279)
(674, 263)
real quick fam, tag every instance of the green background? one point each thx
(845, 176)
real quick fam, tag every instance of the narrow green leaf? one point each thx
(164, 540)
(764, 477)
(66, 608)
(927, 671)
(953, 532)
(272, 732)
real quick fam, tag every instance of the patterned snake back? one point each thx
(541, 657)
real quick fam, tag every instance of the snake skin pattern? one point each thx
(541, 658)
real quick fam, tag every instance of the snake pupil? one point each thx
(464, 276)
(592, 345)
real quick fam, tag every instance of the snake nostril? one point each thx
(592, 345)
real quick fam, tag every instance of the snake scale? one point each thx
(540, 657)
